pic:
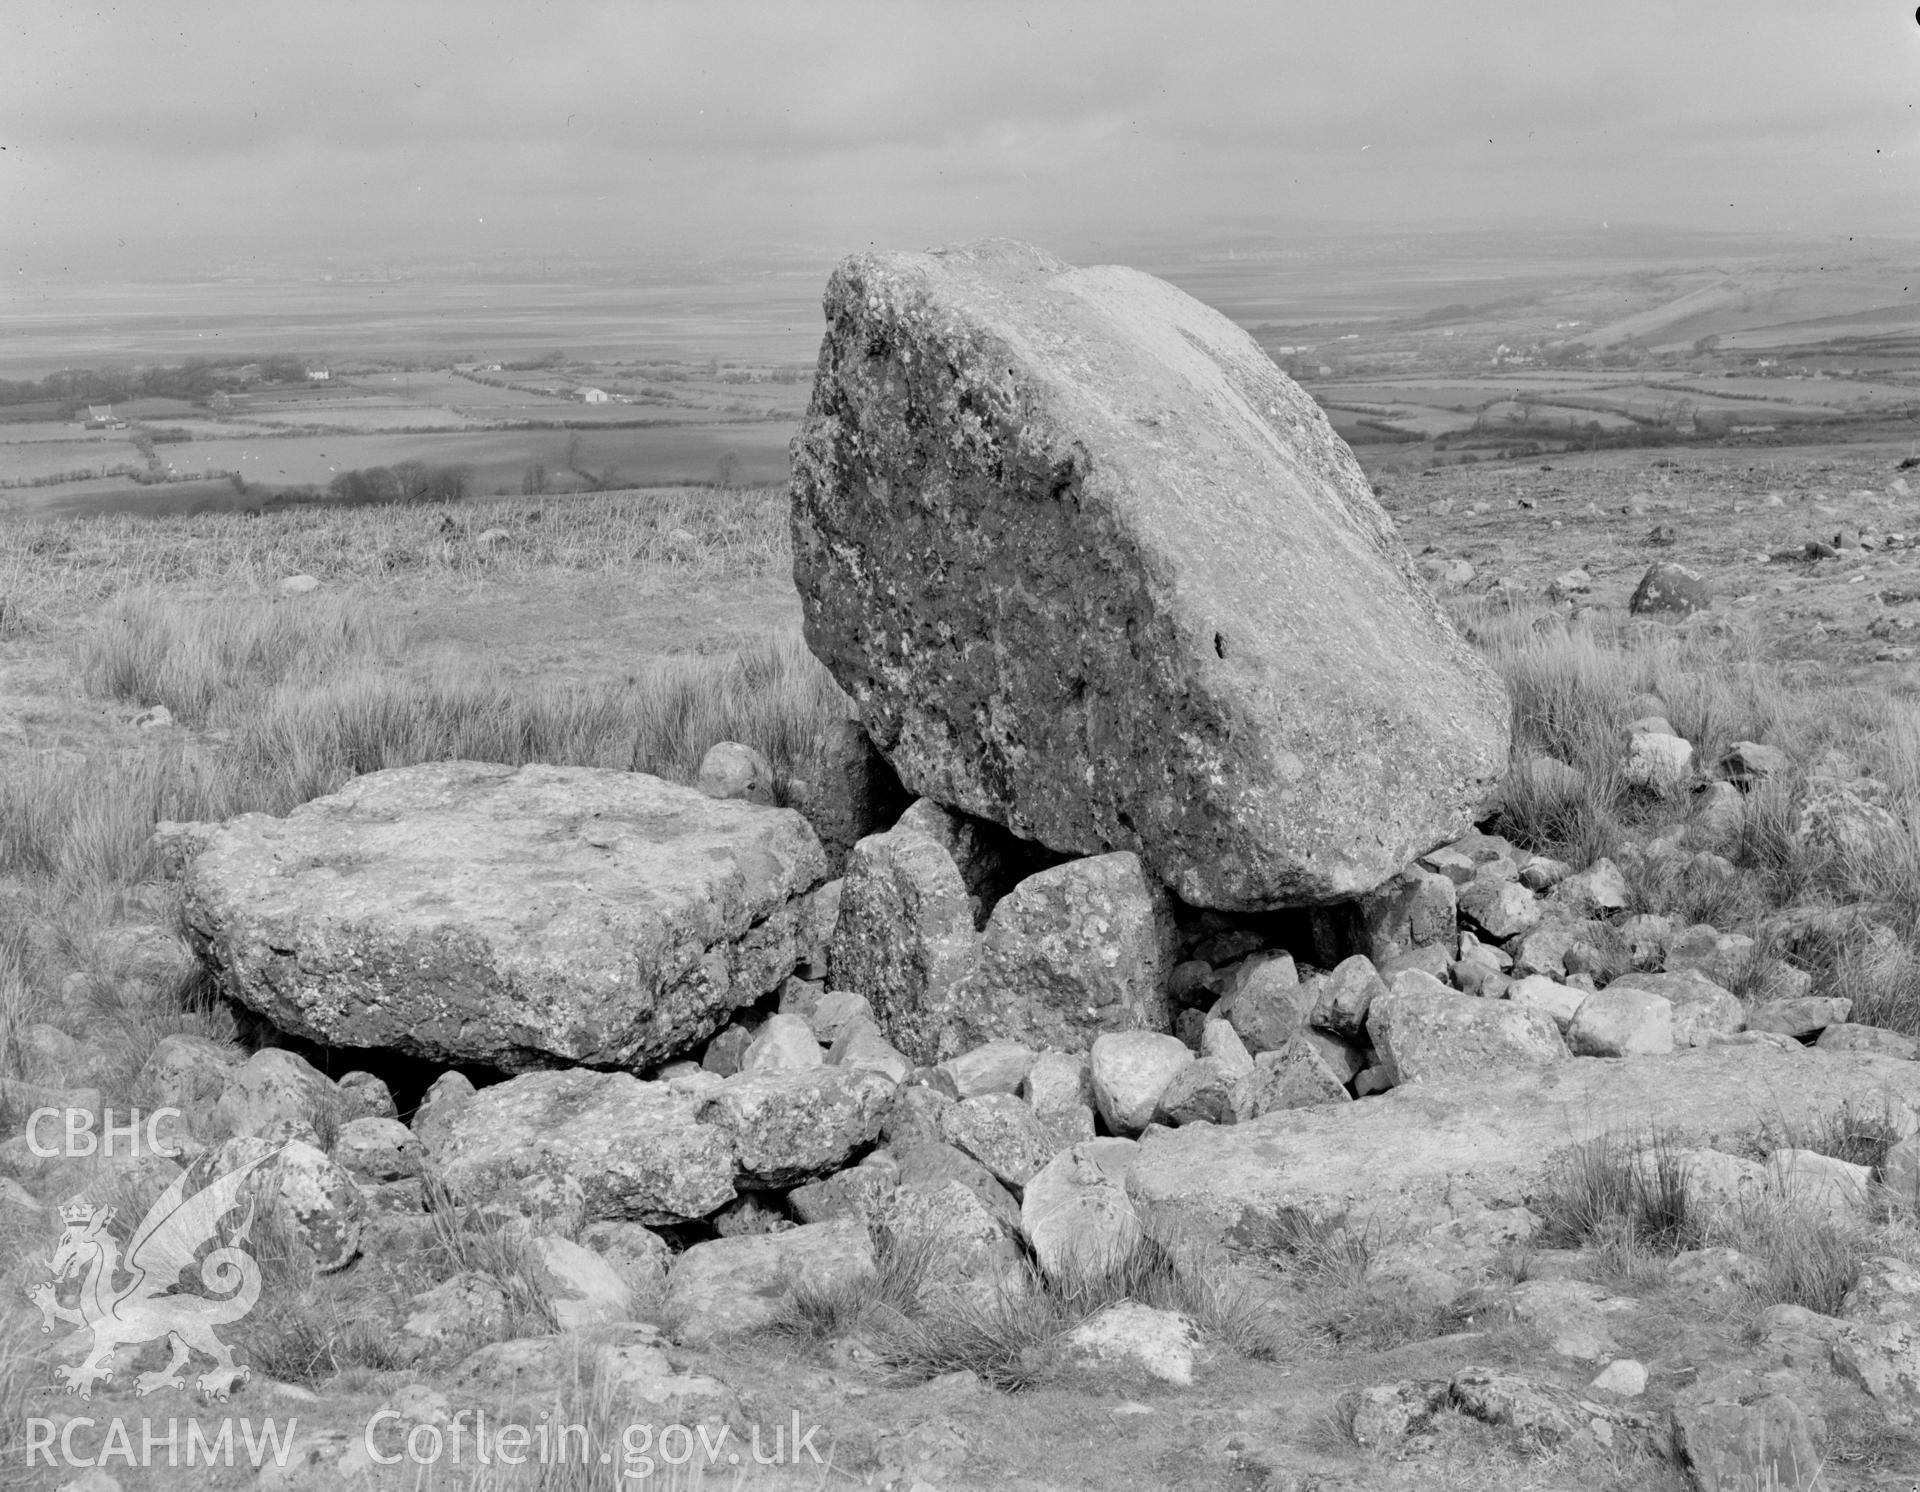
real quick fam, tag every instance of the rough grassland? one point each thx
(633, 631)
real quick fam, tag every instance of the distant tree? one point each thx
(533, 481)
(726, 471)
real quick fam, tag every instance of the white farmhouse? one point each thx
(596, 396)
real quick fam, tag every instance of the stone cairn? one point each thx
(1144, 881)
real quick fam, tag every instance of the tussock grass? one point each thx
(1808, 1258)
(60, 567)
(1622, 1197)
(1575, 689)
(470, 1238)
(915, 1322)
(1337, 1304)
(192, 658)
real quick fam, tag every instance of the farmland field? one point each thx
(1424, 350)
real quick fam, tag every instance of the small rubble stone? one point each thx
(604, 1144)
(860, 1044)
(581, 1287)
(1623, 1377)
(727, 1050)
(1207, 1091)
(1501, 908)
(1295, 1077)
(1659, 762)
(1071, 952)
(1000, 1132)
(1343, 997)
(378, 1149)
(791, 1125)
(1262, 998)
(783, 1043)
(1159, 1342)
(1059, 1089)
(1131, 1069)
(275, 1093)
(1669, 589)
(638, 1255)
(1618, 1022)
(733, 770)
(997, 1066)
(1799, 1018)
(1415, 908)
(1595, 891)
(1537, 992)
(1846, 1036)
(1451, 1034)
(1076, 1213)
(362, 1095)
(730, 1285)
(1701, 1008)
(1821, 1183)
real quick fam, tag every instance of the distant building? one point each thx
(102, 417)
(596, 396)
(318, 375)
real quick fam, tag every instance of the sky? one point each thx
(166, 132)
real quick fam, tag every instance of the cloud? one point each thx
(832, 121)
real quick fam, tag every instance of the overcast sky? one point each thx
(506, 125)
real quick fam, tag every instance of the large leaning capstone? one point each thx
(1091, 567)
(469, 911)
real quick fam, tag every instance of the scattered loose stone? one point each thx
(783, 1043)
(1059, 1089)
(791, 1125)
(1076, 1213)
(1416, 908)
(1159, 1343)
(599, 1144)
(1669, 589)
(582, 1288)
(275, 1094)
(1660, 762)
(1000, 1132)
(1341, 1000)
(861, 1045)
(731, 1285)
(1846, 1036)
(1453, 1035)
(375, 1149)
(1069, 953)
(732, 770)
(1822, 1183)
(1624, 1377)
(314, 1200)
(1701, 1008)
(1130, 1071)
(1499, 907)
(1295, 1077)
(1208, 1091)
(1619, 1022)
(1537, 992)
(997, 1066)
(1263, 1000)
(1804, 1017)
